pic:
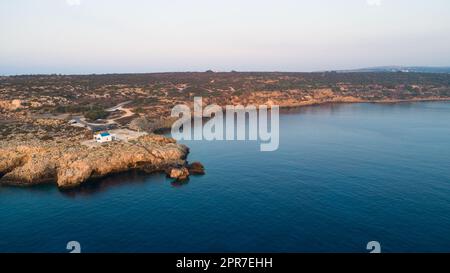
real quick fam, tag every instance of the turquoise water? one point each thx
(344, 175)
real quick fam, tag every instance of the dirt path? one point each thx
(128, 113)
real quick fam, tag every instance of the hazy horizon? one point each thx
(217, 71)
(101, 36)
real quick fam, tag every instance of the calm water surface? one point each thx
(344, 175)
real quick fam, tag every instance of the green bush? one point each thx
(96, 113)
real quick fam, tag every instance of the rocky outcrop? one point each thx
(69, 164)
(180, 174)
(160, 124)
(10, 104)
(294, 98)
(139, 124)
(196, 168)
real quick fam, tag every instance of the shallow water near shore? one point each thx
(344, 175)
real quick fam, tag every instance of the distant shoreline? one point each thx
(165, 130)
(369, 101)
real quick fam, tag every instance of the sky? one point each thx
(128, 36)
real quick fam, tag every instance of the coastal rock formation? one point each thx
(196, 168)
(153, 125)
(179, 174)
(37, 143)
(294, 98)
(68, 163)
(139, 124)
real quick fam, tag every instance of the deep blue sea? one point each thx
(344, 175)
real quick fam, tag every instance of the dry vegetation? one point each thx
(153, 95)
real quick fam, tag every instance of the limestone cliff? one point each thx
(68, 163)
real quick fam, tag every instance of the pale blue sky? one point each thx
(103, 36)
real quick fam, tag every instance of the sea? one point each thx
(344, 175)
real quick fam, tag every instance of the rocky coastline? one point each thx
(45, 119)
(69, 164)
